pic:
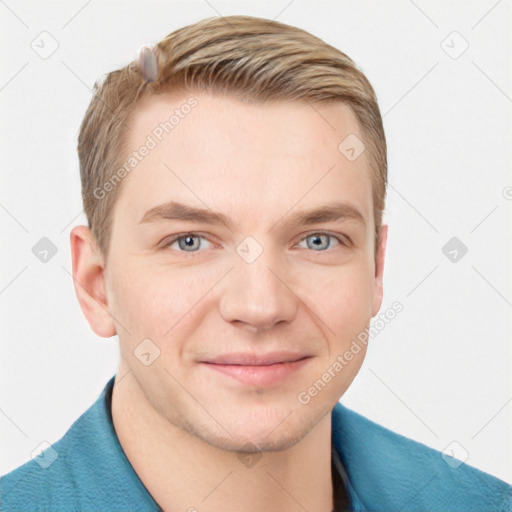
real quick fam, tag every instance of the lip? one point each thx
(249, 359)
(258, 370)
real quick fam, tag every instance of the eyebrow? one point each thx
(174, 210)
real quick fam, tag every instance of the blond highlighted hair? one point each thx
(251, 59)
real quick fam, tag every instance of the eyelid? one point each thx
(342, 239)
(167, 241)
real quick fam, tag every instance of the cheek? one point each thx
(155, 302)
(341, 297)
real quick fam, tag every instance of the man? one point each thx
(234, 181)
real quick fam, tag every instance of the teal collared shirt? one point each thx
(88, 470)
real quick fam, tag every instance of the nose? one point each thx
(259, 294)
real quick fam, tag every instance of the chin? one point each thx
(253, 442)
(265, 432)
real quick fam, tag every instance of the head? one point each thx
(238, 146)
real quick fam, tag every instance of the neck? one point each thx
(182, 472)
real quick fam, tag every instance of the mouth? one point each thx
(257, 370)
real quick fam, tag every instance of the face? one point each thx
(242, 252)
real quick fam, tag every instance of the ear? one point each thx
(378, 290)
(89, 281)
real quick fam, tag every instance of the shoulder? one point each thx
(34, 487)
(53, 478)
(85, 470)
(389, 471)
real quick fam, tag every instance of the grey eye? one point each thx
(318, 241)
(189, 243)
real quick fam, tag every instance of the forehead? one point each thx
(243, 159)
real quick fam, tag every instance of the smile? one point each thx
(257, 370)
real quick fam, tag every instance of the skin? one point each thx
(185, 427)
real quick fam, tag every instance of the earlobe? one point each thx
(89, 281)
(378, 292)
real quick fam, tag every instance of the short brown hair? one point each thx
(251, 59)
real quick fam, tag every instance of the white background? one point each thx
(437, 373)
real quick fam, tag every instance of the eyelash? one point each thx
(176, 238)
